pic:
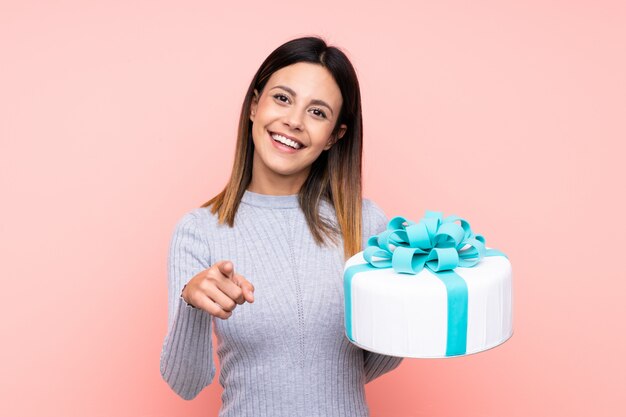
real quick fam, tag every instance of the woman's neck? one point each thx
(289, 186)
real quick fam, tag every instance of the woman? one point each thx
(266, 255)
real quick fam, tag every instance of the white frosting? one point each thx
(406, 315)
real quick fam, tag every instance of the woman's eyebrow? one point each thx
(293, 93)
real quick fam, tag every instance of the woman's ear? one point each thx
(253, 104)
(332, 140)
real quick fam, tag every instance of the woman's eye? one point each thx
(319, 113)
(278, 96)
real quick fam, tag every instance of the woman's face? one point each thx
(301, 103)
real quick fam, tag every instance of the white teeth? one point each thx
(286, 141)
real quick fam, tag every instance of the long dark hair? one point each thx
(335, 175)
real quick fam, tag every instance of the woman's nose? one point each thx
(293, 119)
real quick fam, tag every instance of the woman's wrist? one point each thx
(183, 298)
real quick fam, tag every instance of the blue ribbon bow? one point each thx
(437, 244)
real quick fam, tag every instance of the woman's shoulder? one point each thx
(372, 210)
(197, 218)
(369, 209)
(374, 218)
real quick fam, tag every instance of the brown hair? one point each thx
(335, 175)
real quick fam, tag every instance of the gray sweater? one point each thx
(285, 354)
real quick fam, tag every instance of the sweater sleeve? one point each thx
(375, 221)
(187, 352)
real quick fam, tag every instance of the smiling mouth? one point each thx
(286, 141)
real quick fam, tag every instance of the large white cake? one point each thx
(420, 302)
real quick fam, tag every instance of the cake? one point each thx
(430, 289)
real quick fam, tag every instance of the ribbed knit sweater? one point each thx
(285, 354)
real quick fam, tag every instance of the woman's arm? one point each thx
(374, 222)
(377, 364)
(187, 354)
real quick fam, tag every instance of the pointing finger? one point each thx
(226, 268)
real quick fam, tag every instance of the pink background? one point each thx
(116, 118)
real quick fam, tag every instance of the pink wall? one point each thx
(116, 118)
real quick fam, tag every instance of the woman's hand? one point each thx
(218, 290)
